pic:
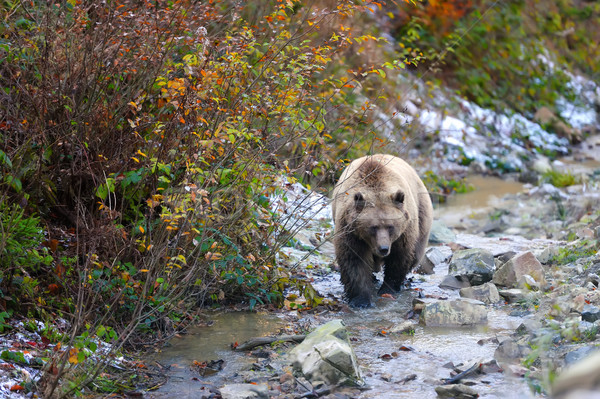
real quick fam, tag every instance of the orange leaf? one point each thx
(387, 296)
(16, 387)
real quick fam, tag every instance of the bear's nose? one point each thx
(384, 250)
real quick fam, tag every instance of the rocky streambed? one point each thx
(505, 305)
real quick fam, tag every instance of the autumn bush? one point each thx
(502, 55)
(143, 142)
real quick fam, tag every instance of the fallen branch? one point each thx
(476, 368)
(258, 341)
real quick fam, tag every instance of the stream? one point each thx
(422, 358)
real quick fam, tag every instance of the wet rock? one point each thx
(433, 257)
(486, 293)
(440, 233)
(454, 283)
(406, 327)
(490, 367)
(245, 391)
(579, 354)
(512, 295)
(456, 391)
(459, 312)
(512, 273)
(590, 313)
(477, 265)
(584, 375)
(326, 355)
(511, 350)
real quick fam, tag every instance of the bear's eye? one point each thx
(390, 229)
(359, 202)
(399, 197)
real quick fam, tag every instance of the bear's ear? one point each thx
(359, 202)
(398, 198)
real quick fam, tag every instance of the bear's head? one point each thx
(380, 219)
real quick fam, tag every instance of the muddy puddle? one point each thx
(488, 192)
(211, 342)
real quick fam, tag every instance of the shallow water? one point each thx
(432, 348)
(488, 192)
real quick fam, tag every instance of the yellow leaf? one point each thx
(135, 159)
(73, 356)
(141, 229)
(144, 270)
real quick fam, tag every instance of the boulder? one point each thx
(456, 391)
(433, 256)
(245, 391)
(590, 313)
(455, 313)
(579, 354)
(451, 282)
(513, 273)
(511, 351)
(513, 295)
(440, 233)
(583, 375)
(326, 355)
(476, 265)
(486, 293)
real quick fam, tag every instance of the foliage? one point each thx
(21, 255)
(502, 55)
(150, 136)
(571, 253)
(560, 179)
(440, 186)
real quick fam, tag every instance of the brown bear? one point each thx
(382, 214)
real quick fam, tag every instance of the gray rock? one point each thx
(477, 265)
(245, 391)
(451, 282)
(326, 355)
(406, 327)
(512, 295)
(486, 293)
(440, 233)
(512, 273)
(548, 254)
(583, 375)
(579, 354)
(511, 351)
(433, 256)
(458, 312)
(590, 313)
(456, 391)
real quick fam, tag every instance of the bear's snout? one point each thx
(384, 250)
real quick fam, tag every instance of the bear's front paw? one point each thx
(360, 302)
(387, 288)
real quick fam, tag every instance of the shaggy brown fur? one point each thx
(382, 215)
